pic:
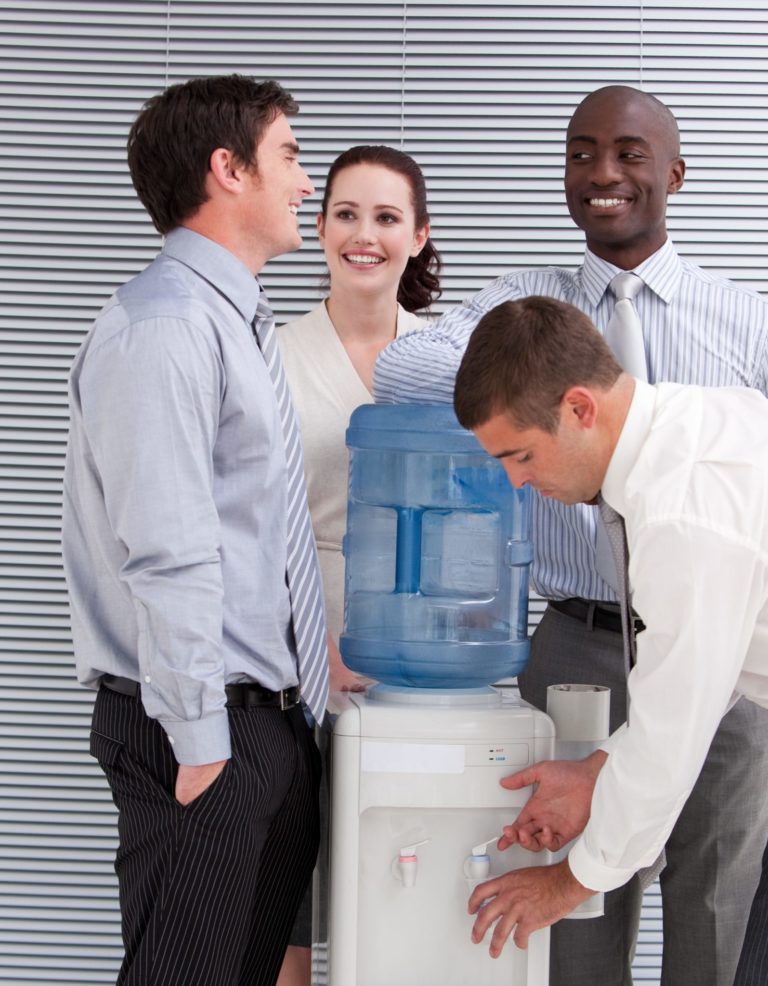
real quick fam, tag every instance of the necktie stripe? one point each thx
(295, 528)
(312, 637)
(292, 457)
(302, 553)
(303, 576)
(300, 587)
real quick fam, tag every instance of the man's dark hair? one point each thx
(522, 358)
(172, 139)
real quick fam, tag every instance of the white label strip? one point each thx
(412, 758)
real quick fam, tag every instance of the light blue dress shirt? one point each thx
(698, 328)
(174, 531)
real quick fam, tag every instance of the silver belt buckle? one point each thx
(284, 699)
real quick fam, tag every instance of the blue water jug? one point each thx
(437, 553)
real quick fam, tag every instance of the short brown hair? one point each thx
(522, 358)
(172, 139)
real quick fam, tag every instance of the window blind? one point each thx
(479, 93)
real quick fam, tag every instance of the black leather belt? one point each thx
(245, 694)
(248, 693)
(594, 614)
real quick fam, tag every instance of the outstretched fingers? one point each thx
(498, 908)
(522, 901)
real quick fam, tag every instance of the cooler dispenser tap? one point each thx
(477, 866)
(404, 866)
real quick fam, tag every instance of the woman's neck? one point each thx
(365, 327)
(371, 320)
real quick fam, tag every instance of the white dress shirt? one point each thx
(698, 328)
(690, 477)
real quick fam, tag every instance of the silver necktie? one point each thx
(624, 333)
(613, 525)
(303, 573)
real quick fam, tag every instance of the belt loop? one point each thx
(590, 620)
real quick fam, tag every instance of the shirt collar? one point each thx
(217, 265)
(633, 434)
(661, 272)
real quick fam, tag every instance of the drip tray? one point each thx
(485, 697)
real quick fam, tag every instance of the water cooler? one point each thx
(437, 556)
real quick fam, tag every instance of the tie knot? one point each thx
(262, 307)
(608, 514)
(263, 320)
(626, 285)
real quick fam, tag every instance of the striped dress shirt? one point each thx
(698, 328)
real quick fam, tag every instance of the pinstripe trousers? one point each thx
(753, 964)
(209, 891)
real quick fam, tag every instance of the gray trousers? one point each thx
(753, 964)
(713, 854)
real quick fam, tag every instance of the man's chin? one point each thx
(569, 499)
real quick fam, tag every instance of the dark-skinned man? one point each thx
(622, 162)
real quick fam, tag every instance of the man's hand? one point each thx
(524, 901)
(192, 781)
(558, 809)
(341, 678)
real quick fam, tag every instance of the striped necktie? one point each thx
(303, 574)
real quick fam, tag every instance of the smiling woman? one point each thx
(374, 229)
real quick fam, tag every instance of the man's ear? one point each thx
(225, 170)
(676, 176)
(579, 407)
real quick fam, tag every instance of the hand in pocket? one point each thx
(192, 781)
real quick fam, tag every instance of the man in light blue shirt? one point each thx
(178, 514)
(622, 162)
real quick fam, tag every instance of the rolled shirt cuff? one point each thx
(199, 741)
(598, 876)
(608, 744)
(593, 875)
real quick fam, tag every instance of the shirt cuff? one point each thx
(595, 876)
(199, 741)
(608, 744)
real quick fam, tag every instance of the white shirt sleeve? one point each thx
(699, 593)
